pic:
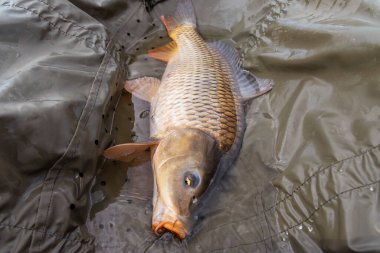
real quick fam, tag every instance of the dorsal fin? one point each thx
(144, 88)
(249, 86)
(229, 52)
(164, 53)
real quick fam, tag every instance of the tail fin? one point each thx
(183, 15)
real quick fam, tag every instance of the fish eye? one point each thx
(191, 180)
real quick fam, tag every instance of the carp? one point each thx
(196, 118)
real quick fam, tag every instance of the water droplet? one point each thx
(286, 233)
(340, 170)
(283, 239)
(300, 227)
(310, 228)
(372, 188)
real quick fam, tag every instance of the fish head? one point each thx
(184, 164)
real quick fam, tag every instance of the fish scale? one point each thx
(198, 95)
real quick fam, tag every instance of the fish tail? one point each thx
(183, 16)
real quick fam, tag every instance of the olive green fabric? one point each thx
(307, 178)
(58, 71)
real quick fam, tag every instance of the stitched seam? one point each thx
(85, 120)
(296, 189)
(291, 195)
(299, 223)
(54, 26)
(51, 192)
(54, 235)
(259, 197)
(266, 219)
(123, 22)
(44, 231)
(69, 154)
(97, 92)
(72, 22)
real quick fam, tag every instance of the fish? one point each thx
(196, 118)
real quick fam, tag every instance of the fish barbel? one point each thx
(196, 117)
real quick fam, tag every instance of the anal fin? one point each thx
(164, 53)
(144, 88)
(228, 51)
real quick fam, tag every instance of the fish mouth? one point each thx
(166, 220)
(175, 227)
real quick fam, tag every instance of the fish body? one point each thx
(196, 118)
(197, 91)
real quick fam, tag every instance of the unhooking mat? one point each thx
(307, 177)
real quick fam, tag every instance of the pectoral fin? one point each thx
(129, 151)
(164, 53)
(144, 88)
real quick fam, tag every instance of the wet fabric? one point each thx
(306, 179)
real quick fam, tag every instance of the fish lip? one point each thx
(175, 227)
(168, 220)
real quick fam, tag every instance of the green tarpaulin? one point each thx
(306, 179)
